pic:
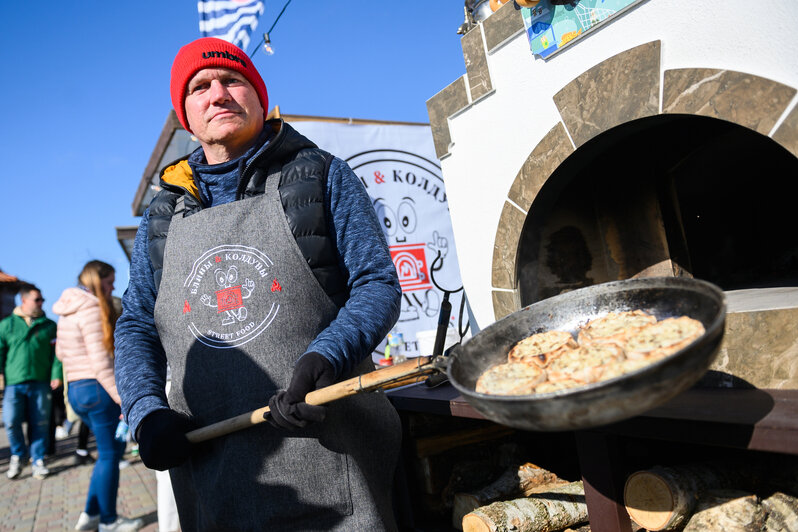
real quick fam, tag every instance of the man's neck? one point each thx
(28, 314)
(218, 153)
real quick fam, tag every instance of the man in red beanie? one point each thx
(259, 273)
(225, 131)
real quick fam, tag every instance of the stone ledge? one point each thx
(504, 303)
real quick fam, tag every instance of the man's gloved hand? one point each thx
(288, 408)
(162, 439)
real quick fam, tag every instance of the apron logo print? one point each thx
(227, 302)
(230, 298)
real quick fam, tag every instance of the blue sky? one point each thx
(85, 92)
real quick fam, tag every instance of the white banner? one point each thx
(398, 167)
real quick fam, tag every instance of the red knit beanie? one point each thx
(209, 52)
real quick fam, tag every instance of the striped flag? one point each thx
(231, 20)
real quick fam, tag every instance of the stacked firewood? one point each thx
(728, 497)
(524, 498)
(714, 496)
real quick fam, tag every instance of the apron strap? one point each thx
(273, 178)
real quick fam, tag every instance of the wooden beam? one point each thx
(600, 465)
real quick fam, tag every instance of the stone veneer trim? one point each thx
(504, 303)
(787, 134)
(771, 332)
(550, 152)
(505, 247)
(440, 107)
(501, 25)
(751, 101)
(476, 62)
(620, 89)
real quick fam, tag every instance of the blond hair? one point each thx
(93, 272)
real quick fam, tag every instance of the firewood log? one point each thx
(727, 510)
(534, 479)
(663, 498)
(560, 507)
(516, 480)
(782, 513)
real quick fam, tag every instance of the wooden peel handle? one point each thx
(401, 374)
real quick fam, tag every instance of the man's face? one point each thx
(222, 107)
(31, 302)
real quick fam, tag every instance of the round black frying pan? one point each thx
(602, 402)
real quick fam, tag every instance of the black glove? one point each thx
(162, 439)
(288, 408)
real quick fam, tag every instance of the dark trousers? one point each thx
(57, 416)
(83, 436)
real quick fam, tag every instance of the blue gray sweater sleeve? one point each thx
(374, 291)
(140, 361)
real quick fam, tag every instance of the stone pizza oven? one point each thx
(663, 143)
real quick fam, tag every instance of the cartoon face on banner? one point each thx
(410, 201)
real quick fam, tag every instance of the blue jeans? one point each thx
(95, 407)
(28, 402)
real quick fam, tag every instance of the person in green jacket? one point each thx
(31, 371)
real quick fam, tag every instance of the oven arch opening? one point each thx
(667, 195)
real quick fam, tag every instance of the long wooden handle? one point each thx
(391, 377)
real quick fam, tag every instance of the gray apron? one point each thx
(238, 304)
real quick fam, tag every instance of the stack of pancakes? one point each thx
(606, 347)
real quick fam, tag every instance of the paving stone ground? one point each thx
(53, 504)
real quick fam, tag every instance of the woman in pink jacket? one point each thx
(85, 346)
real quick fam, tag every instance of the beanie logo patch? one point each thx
(226, 55)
